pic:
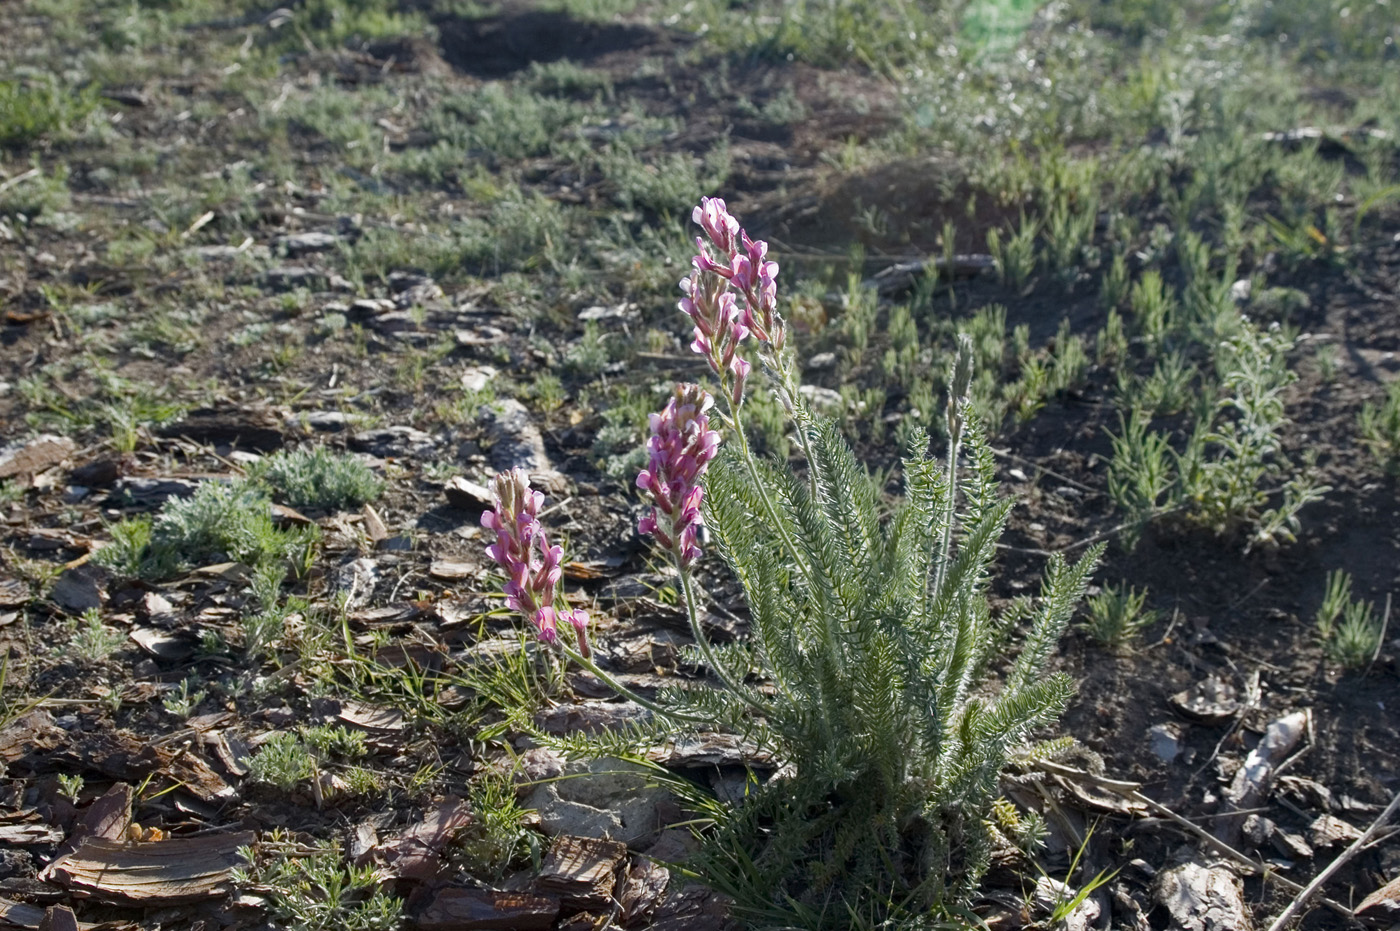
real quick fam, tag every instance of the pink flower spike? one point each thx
(532, 566)
(681, 447)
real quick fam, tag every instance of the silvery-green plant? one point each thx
(870, 626)
(1232, 475)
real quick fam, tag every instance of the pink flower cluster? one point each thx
(681, 447)
(533, 567)
(731, 293)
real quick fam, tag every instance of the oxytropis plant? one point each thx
(866, 668)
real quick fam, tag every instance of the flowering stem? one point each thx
(745, 453)
(624, 691)
(692, 611)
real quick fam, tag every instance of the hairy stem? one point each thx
(692, 611)
(624, 691)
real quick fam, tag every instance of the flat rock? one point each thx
(400, 442)
(516, 443)
(603, 798)
(152, 492)
(35, 455)
(79, 589)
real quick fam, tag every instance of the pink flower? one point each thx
(731, 293)
(533, 568)
(680, 449)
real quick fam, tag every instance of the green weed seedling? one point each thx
(1116, 615)
(1379, 426)
(31, 109)
(314, 889)
(183, 703)
(1350, 632)
(318, 478)
(497, 837)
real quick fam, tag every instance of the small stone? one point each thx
(1166, 741)
(822, 397)
(399, 442)
(617, 312)
(290, 277)
(299, 244)
(821, 362)
(478, 377)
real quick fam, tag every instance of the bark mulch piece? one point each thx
(460, 908)
(178, 871)
(582, 870)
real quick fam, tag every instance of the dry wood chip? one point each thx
(108, 818)
(458, 908)
(451, 570)
(33, 732)
(17, 915)
(693, 908)
(230, 752)
(284, 517)
(426, 656)
(124, 756)
(398, 613)
(642, 890)
(374, 526)
(713, 750)
(171, 647)
(1387, 895)
(36, 455)
(25, 835)
(372, 718)
(59, 918)
(467, 495)
(590, 717)
(416, 853)
(1280, 737)
(582, 870)
(1202, 899)
(168, 872)
(1327, 831)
